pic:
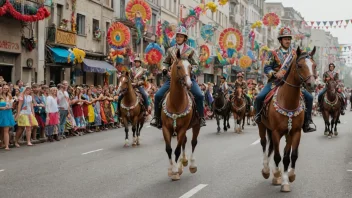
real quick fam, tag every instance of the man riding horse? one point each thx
(241, 83)
(187, 53)
(327, 76)
(224, 86)
(138, 73)
(276, 66)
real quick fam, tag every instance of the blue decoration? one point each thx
(153, 46)
(250, 54)
(207, 32)
(230, 52)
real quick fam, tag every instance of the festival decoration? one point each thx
(159, 28)
(190, 21)
(231, 38)
(30, 14)
(251, 37)
(211, 6)
(73, 15)
(118, 35)
(97, 34)
(29, 43)
(204, 54)
(245, 61)
(207, 32)
(257, 24)
(139, 12)
(223, 2)
(79, 55)
(63, 24)
(271, 20)
(153, 54)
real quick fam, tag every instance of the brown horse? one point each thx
(177, 115)
(131, 109)
(238, 109)
(250, 116)
(331, 106)
(284, 115)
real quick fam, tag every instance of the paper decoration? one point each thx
(231, 38)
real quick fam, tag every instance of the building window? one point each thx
(154, 22)
(58, 14)
(107, 25)
(81, 24)
(95, 26)
(208, 78)
(122, 9)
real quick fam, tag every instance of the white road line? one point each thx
(92, 151)
(349, 170)
(148, 126)
(2, 170)
(256, 142)
(194, 191)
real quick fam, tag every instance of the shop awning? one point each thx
(97, 66)
(61, 55)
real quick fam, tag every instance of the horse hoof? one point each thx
(193, 169)
(134, 144)
(277, 181)
(185, 163)
(292, 178)
(169, 172)
(326, 133)
(285, 188)
(336, 133)
(248, 124)
(265, 175)
(175, 177)
(225, 129)
(180, 170)
(330, 136)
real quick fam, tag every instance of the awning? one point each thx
(61, 55)
(96, 66)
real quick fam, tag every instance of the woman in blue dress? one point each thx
(6, 118)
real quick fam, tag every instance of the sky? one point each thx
(325, 10)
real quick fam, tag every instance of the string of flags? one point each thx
(328, 24)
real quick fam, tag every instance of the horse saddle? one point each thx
(139, 95)
(195, 117)
(269, 96)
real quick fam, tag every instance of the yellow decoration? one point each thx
(257, 24)
(79, 55)
(223, 2)
(245, 61)
(212, 6)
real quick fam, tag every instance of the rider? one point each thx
(138, 73)
(284, 54)
(327, 76)
(223, 85)
(189, 54)
(241, 83)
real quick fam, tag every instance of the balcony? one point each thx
(60, 36)
(123, 19)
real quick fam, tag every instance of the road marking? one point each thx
(256, 142)
(148, 126)
(349, 170)
(92, 151)
(2, 170)
(194, 191)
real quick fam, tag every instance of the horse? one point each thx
(221, 107)
(238, 109)
(250, 115)
(331, 106)
(178, 115)
(131, 109)
(283, 114)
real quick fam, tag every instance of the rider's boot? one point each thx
(342, 107)
(306, 126)
(156, 121)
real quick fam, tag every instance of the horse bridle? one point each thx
(302, 80)
(181, 78)
(124, 90)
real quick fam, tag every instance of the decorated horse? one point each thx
(178, 115)
(283, 115)
(250, 115)
(131, 108)
(331, 106)
(221, 108)
(238, 108)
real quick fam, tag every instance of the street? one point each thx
(229, 165)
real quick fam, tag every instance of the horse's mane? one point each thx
(294, 59)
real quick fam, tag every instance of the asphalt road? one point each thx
(229, 165)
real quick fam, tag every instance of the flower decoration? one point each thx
(189, 21)
(231, 38)
(118, 35)
(153, 54)
(212, 6)
(257, 24)
(223, 2)
(79, 55)
(207, 32)
(271, 20)
(138, 8)
(28, 16)
(245, 61)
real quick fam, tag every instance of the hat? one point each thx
(137, 59)
(332, 64)
(284, 32)
(240, 75)
(181, 30)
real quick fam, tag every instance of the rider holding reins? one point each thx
(276, 66)
(327, 76)
(241, 83)
(187, 53)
